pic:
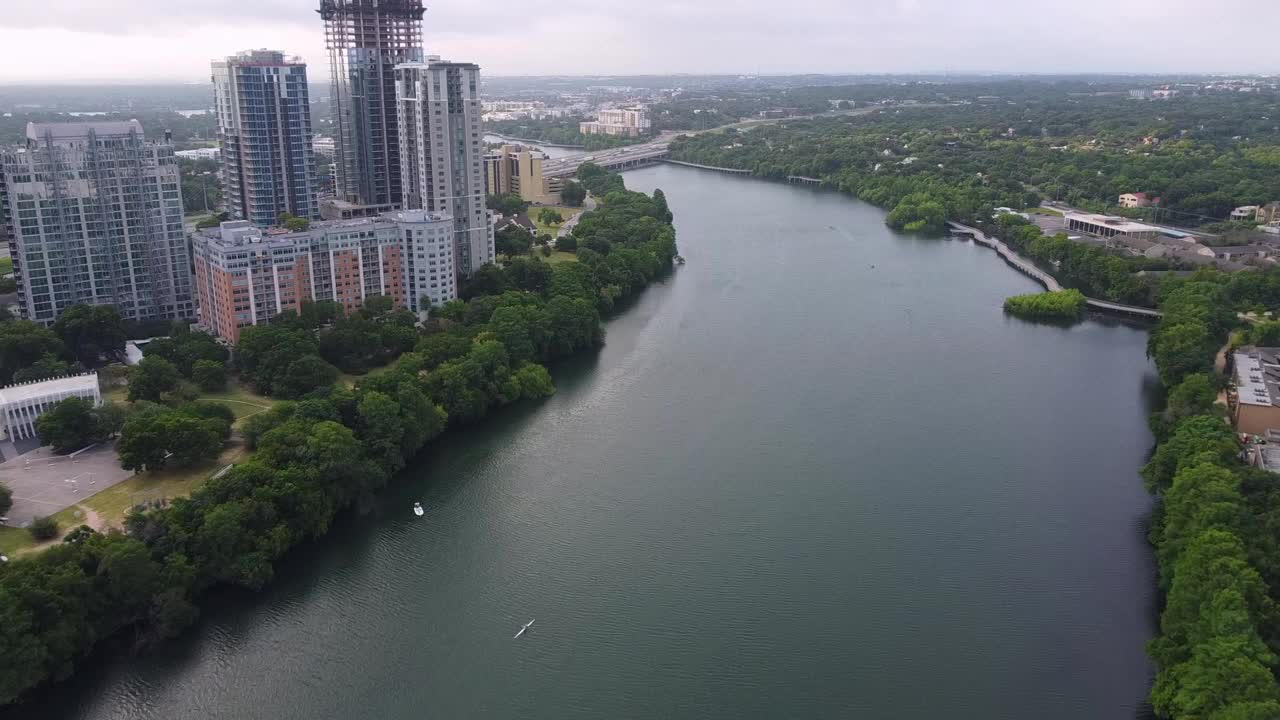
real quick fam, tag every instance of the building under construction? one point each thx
(366, 39)
(94, 212)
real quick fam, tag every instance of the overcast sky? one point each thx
(51, 41)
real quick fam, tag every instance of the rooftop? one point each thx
(1118, 223)
(44, 388)
(1258, 376)
(78, 130)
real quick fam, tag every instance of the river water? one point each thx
(815, 473)
(550, 151)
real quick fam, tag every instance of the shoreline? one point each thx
(538, 142)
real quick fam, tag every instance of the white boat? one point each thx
(417, 509)
(526, 627)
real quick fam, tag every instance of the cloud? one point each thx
(176, 39)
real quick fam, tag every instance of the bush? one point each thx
(567, 243)
(6, 498)
(43, 528)
(1060, 305)
(210, 376)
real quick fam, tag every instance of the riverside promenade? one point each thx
(1050, 283)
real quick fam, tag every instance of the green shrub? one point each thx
(43, 528)
(1060, 305)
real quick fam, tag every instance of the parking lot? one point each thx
(44, 483)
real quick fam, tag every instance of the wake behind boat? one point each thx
(526, 627)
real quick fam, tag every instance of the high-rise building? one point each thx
(94, 211)
(518, 169)
(245, 276)
(442, 152)
(366, 40)
(626, 122)
(264, 126)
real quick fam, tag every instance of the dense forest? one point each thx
(1216, 527)
(324, 448)
(1203, 155)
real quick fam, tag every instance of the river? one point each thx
(815, 473)
(551, 151)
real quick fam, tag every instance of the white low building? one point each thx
(21, 404)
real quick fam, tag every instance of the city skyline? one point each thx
(577, 38)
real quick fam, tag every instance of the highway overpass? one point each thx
(621, 158)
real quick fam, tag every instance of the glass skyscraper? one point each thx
(366, 39)
(264, 127)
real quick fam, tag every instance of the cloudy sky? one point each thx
(127, 40)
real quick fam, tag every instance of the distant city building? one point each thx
(442, 152)
(264, 127)
(630, 122)
(325, 146)
(517, 169)
(94, 212)
(1137, 200)
(245, 276)
(22, 404)
(198, 154)
(1110, 226)
(1269, 214)
(1255, 400)
(366, 39)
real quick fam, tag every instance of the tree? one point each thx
(6, 498)
(918, 212)
(512, 240)
(152, 378)
(68, 426)
(48, 366)
(1182, 349)
(43, 528)
(184, 348)
(154, 440)
(305, 374)
(1198, 437)
(548, 216)
(318, 313)
(210, 376)
(506, 204)
(292, 222)
(92, 332)
(568, 243)
(22, 344)
(380, 429)
(573, 194)
(108, 420)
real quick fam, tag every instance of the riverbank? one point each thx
(333, 451)
(1050, 283)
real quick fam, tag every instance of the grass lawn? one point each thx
(1044, 211)
(558, 256)
(349, 381)
(242, 401)
(14, 539)
(6, 266)
(565, 214)
(113, 503)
